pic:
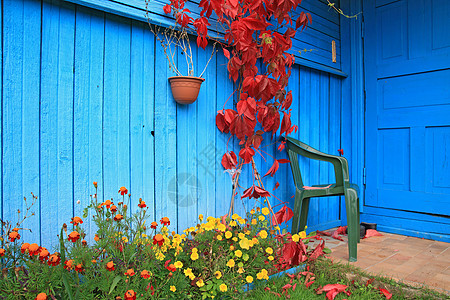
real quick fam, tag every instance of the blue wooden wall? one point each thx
(85, 98)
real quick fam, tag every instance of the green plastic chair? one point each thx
(341, 187)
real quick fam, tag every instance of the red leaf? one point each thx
(276, 186)
(286, 123)
(247, 193)
(287, 103)
(273, 169)
(370, 281)
(167, 9)
(284, 161)
(336, 286)
(341, 151)
(283, 215)
(309, 284)
(246, 154)
(226, 53)
(287, 286)
(372, 232)
(386, 293)
(229, 160)
(282, 145)
(317, 252)
(261, 192)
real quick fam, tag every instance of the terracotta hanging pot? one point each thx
(185, 89)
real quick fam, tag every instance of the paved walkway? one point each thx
(411, 260)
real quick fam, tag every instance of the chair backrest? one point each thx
(295, 148)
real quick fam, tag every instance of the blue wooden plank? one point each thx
(116, 151)
(165, 142)
(13, 86)
(88, 96)
(189, 154)
(148, 144)
(324, 129)
(1, 113)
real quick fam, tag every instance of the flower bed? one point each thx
(131, 259)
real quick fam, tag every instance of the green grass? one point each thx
(327, 272)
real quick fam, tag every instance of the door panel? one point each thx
(407, 82)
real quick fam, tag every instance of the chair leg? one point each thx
(359, 220)
(351, 204)
(299, 211)
(304, 214)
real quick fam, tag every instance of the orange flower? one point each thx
(43, 255)
(118, 217)
(95, 184)
(130, 272)
(76, 221)
(2, 252)
(130, 295)
(145, 274)
(165, 221)
(108, 203)
(24, 247)
(41, 296)
(158, 239)
(113, 209)
(74, 236)
(142, 204)
(54, 259)
(171, 268)
(34, 249)
(14, 236)
(123, 190)
(84, 242)
(110, 266)
(79, 268)
(68, 264)
(96, 238)
(154, 225)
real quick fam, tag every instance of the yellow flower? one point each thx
(160, 256)
(228, 234)
(263, 274)
(269, 250)
(219, 237)
(241, 270)
(231, 247)
(249, 279)
(263, 234)
(302, 234)
(200, 217)
(241, 235)
(178, 264)
(144, 235)
(233, 223)
(230, 263)
(265, 211)
(295, 238)
(238, 253)
(188, 273)
(221, 227)
(241, 221)
(235, 239)
(261, 218)
(255, 241)
(254, 222)
(270, 258)
(235, 216)
(252, 212)
(223, 287)
(194, 256)
(173, 288)
(245, 244)
(218, 274)
(200, 283)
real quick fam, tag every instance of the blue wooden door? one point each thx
(407, 83)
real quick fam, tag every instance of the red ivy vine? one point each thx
(252, 30)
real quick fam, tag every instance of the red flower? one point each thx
(74, 236)
(41, 296)
(123, 190)
(54, 259)
(154, 225)
(158, 239)
(34, 249)
(145, 274)
(130, 295)
(76, 221)
(118, 217)
(113, 209)
(68, 264)
(43, 255)
(110, 266)
(165, 221)
(130, 272)
(108, 203)
(79, 268)
(14, 236)
(171, 268)
(24, 247)
(2, 252)
(142, 204)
